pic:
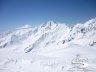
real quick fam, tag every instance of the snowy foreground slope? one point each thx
(50, 47)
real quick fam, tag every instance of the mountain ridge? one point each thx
(50, 27)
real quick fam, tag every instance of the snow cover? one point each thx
(50, 47)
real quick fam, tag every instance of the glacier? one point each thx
(49, 47)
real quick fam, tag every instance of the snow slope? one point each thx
(50, 47)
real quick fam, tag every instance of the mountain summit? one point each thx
(25, 26)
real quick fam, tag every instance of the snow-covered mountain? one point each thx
(49, 47)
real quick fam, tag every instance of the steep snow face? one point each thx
(49, 47)
(48, 33)
(35, 35)
(86, 27)
(15, 37)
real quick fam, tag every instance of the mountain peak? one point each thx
(48, 23)
(25, 26)
(91, 21)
